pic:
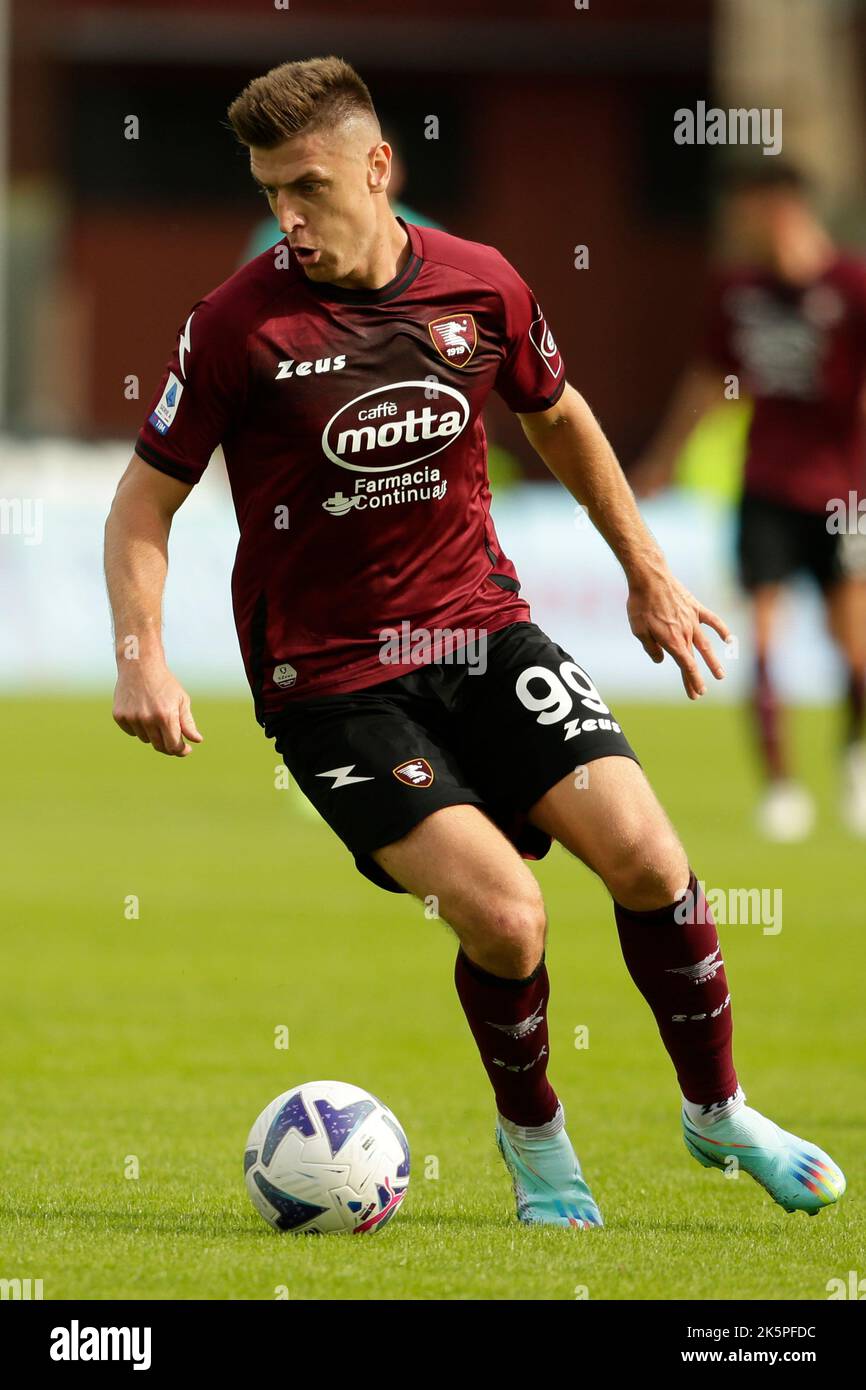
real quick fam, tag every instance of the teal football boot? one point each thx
(549, 1186)
(798, 1175)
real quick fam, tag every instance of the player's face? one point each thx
(323, 190)
(757, 220)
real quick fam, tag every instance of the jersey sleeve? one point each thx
(531, 374)
(200, 394)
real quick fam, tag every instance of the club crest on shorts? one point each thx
(416, 772)
(455, 337)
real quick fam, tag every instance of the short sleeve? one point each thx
(531, 375)
(200, 394)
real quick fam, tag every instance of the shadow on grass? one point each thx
(234, 1222)
(229, 1222)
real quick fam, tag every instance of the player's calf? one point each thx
(494, 905)
(666, 929)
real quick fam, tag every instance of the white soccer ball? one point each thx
(326, 1157)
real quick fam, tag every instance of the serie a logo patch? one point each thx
(166, 407)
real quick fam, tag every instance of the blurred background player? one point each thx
(789, 322)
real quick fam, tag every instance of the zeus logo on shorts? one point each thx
(395, 426)
(574, 727)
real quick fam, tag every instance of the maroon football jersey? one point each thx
(350, 422)
(801, 355)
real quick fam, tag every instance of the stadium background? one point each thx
(555, 130)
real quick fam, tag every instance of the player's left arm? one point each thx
(663, 615)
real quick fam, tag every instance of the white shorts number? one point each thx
(557, 701)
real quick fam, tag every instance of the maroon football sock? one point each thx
(678, 968)
(508, 1019)
(768, 719)
(856, 703)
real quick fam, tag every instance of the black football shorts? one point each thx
(375, 762)
(776, 542)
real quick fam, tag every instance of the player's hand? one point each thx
(665, 617)
(151, 705)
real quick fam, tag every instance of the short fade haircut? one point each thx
(301, 96)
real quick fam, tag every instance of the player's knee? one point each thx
(510, 938)
(649, 873)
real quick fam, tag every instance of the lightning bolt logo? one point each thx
(342, 778)
(184, 345)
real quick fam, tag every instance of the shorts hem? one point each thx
(593, 756)
(408, 823)
(367, 865)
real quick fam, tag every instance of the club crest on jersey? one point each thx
(455, 337)
(416, 772)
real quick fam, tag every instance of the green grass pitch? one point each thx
(149, 1041)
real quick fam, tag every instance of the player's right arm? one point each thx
(698, 390)
(149, 703)
(202, 389)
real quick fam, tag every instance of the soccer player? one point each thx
(344, 375)
(790, 323)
